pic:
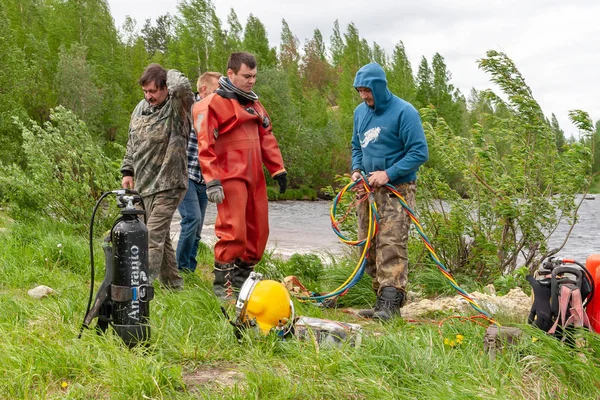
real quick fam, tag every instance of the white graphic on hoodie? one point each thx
(370, 136)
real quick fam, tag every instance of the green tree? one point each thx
(446, 98)
(336, 45)
(73, 74)
(289, 60)
(135, 59)
(190, 53)
(479, 107)
(28, 22)
(13, 89)
(289, 55)
(217, 60)
(400, 77)
(157, 38)
(256, 42)
(356, 53)
(558, 132)
(514, 199)
(46, 27)
(356, 50)
(379, 55)
(424, 84)
(65, 165)
(316, 72)
(235, 33)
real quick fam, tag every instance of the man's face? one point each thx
(244, 79)
(154, 95)
(366, 95)
(209, 86)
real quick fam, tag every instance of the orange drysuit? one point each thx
(234, 141)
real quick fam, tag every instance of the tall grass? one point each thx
(193, 352)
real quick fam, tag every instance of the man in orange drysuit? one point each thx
(234, 140)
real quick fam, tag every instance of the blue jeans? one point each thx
(192, 210)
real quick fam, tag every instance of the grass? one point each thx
(193, 353)
(5, 220)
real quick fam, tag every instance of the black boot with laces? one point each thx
(388, 304)
(223, 283)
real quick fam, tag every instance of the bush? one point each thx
(65, 171)
(302, 193)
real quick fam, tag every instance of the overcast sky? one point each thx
(555, 44)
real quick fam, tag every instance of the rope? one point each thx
(359, 270)
(366, 243)
(464, 294)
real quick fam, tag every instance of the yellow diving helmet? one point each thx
(265, 303)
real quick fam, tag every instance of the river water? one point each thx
(305, 227)
(295, 227)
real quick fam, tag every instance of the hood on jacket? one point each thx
(372, 76)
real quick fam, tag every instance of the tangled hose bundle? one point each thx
(359, 270)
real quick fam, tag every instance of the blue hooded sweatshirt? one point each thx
(389, 136)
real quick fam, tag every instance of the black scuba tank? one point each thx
(130, 289)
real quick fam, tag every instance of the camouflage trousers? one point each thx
(387, 259)
(160, 208)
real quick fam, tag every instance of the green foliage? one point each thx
(360, 295)
(66, 171)
(306, 267)
(505, 283)
(518, 187)
(76, 89)
(429, 282)
(234, 35)
(307, 136)
(424, 82)
(256, 42)
(195, 38)
(13, 81)
(302, 193)
(401, 81)
(157, 38)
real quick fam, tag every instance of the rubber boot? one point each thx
(223, 283)
(388, 305)
(369, 312)
(241, 272)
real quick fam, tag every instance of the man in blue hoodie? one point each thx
(388, 146)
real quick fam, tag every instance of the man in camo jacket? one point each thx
(155, 163)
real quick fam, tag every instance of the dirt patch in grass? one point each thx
(5, 220)
(213, 377)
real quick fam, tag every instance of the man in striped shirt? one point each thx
(193, 205)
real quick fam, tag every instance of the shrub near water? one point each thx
(65, 170)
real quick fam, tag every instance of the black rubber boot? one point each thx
(369, 312)
(388, 305)
(223, 283)
(241, 272)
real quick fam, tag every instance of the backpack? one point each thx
(561, 290)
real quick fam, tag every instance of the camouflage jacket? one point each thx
(156, 153)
